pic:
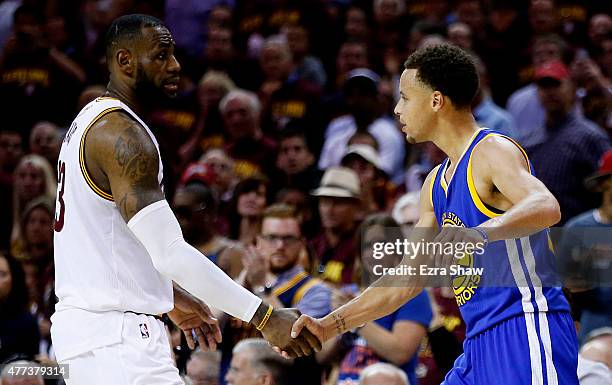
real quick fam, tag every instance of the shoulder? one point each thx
(120, 132)
(584, 219)
(519, 95)
(495, 149)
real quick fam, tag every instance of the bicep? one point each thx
(128, 157)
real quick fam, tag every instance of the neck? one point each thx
(334, 234)
(556, 117)
(249, 228)
(126, 94)
(605, 211)
(480, 96)
(454, 132)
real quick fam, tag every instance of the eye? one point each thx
(162, 56)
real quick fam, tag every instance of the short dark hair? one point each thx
(128, 27)
(448, 69)
(28, 10)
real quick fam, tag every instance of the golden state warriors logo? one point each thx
(464, 286)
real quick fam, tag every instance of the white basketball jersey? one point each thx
(99, 264)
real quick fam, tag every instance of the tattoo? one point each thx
(138, 164)
(340, 324)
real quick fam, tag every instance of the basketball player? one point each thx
(118, 246)
(484, 192)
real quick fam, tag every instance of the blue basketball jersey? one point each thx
(518, 275)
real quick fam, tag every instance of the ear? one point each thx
(437, 101)
(125, 61)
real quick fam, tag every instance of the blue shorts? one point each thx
(531, 349)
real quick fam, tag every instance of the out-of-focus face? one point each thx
(201, 372)
(386, 11)
(275, 62)
(6, 279)
(241, 372)
(599, 26)
(471, 14)
(543, 16)
(187, 212)
(351, 56)
(44, 140)
(364, 169)
(210, 94)
(219, 46)
(556, 97)
(39, 227)
(460, 34)
(356, 25)
(293, 155)
(11, 150)
(222, 166)
(157, 68)
(297, 39)
(280, 241)
(29, 181)
(544, 52)
(252, 203)
(239, 118)
(220, 16)
(415, 108)
(337, 214)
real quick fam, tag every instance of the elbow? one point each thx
(551, 211)
(400, 356)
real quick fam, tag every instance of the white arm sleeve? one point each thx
(156, 227)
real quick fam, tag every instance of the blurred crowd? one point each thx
(284, 164)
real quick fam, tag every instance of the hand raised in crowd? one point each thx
(256, 266)
(193, 316)
(277, 331)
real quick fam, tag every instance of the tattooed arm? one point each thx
(122, 157)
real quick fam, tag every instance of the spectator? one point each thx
(582, 142)
(598, 347)
(225, 178)
(246, 143)
(34, 178)
(306, 210)
(524, 104)
(460, 34)
(395, 338)
(203, 368)
(406, 211)
(352, 54)
(486, 112)
(89, 94)
(27, 373)
(383, 373)
(45, 140)
(543, 17)
(296, 162)
(362, 100)
(307, 67)
(246, 208)
(11, 151)
(18, 328)
(580, 255)
(472, 14)
(255, 362)
(272, 268)
(600, 26)
(195, 208)
(339, 202)
(356, 26)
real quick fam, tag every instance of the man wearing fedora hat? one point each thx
(339, 202)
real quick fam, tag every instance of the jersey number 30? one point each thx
(60, 207)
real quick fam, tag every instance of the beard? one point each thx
(146, 91)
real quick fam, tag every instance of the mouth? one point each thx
(171, 85)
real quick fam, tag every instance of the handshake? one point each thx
(291, 334)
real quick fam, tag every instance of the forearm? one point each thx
(67, 65)
(534, 213)
(157, 229)
(375, 302)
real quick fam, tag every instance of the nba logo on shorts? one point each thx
(144, 331)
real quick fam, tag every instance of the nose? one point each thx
(174, 66)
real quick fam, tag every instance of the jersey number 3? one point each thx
(60, 207)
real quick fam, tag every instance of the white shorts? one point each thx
(142, 358)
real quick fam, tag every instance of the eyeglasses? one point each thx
(286, 239)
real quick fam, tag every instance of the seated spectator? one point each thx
(352, 54)
(395, 338)
(22, 373)
(486, 112)
(460, 34)
(45, 140)
(598, 347)
(11, 151)
(195, 208)
(224, 179)
(272, 268)
(18, 328)
(557, 161)
(307, 67)
(362, 99)
(34, 178)
(295, 162)
(89, 94)
(203, 368)
(246, 208)
(255, 362)
(383, 373)
(246, 143)
(406, 211)
(306, 209)
(377, 193)
(339, 204)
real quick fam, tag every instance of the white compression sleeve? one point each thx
(156, 227)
